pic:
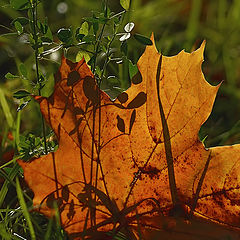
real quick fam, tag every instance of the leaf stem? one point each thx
(107, 56)
(99, 117)
(5, 27)
(97, 48)
(99, 110)
(35, 36)
(99, 39)
(167, 143)
(199, 186)
(109, 46)
(117, 14)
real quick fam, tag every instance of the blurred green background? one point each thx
(177, 25)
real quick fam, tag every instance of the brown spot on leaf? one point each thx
(152, 172)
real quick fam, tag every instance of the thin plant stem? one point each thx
(109, 47)
(35, 36)
(100, 39)
(108, 51)
(97, 47)
(118, 14)
(99, 111)
(99, 165)
(5, 27)
(167, 144)
(99, 119)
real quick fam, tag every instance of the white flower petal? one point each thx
(129, 27)
(125, 36)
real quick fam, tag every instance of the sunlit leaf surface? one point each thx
(136, 165)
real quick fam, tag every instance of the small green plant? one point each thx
(100, 39)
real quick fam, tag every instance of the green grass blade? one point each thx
(49, 230)
(222, 9)
(9, 180)
(6, 109)
(4, 136)
(17, 130)
(5, 185)
(57, 218)
(25, 209)
(193, 22)
(3, 233)
(11, 161)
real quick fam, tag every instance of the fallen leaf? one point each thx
(135, 164)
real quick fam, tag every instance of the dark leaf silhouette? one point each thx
(120, 124)
(73, 77)
(132, 120)
(137, 78)
(65, 193)
(138, 101)
(123, 97)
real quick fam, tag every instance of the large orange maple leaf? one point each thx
(126, 162)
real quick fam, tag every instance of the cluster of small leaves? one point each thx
(22, 70)
(33, 146)
(91, 33)
(45, 34)
(24, 25)
(38, 35)
(101, 40)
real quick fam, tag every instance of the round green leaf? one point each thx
(21, 94)
(84, 29)
(48, 35)
(125, 4)
(10, 76)
(124, 37)
(133, 69)
(89, 38)
(22, 20)
(23, 70)
(20, 4)
(129, 27)
(18, 27)
(142, 39)
(64, 35)
(82, 54)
